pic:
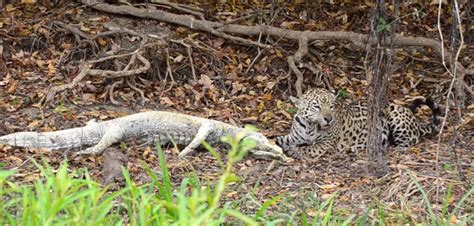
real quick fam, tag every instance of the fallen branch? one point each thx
(225, 30)
(183, 7)
(204, 25)
(185, 20)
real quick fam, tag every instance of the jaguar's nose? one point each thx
(328, 118)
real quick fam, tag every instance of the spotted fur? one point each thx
(324, 123)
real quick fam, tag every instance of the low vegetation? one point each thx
(61, 197)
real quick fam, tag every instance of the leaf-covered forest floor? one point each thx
(228, 85)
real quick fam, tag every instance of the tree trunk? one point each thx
(377, 89)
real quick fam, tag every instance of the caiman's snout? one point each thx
(270, 151)
(266, 149)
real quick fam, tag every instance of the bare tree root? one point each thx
(224, 30)
(297, 58)
(82, 37)
(190, 57)
(79, 36)
(111, 91)
(119, 73)
(321, 77)
(85, 70)
(132, 83)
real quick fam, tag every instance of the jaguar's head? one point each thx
(315, 107)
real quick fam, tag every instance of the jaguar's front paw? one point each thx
(293, 153)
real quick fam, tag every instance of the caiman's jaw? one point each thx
(265, 149)
(271, 151)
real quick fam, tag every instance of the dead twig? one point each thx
(85, 69)
(256, 58)
(112, 57)
(118, 74)
(190, 55)
(168, 67)
(456, 157)
(83, 72)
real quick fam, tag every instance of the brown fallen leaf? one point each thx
(13, 86)
(328, 186)
(166, 101)
(33, 124)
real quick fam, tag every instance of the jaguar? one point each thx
(326, 123)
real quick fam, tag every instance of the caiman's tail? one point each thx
(56, 140)
(428, 129)
(29, 139)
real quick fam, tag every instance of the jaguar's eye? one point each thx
(316, 106)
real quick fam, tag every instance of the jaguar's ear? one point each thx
(297, 102)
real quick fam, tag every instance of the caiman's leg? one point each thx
(112, 135)
(201, 136)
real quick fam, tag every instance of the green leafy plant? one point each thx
(382, 25)
(342, 93)
(56, 199)
(64, 197)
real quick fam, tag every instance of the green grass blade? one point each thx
(461, 201)
(446, 202)
(432, 215)
(363, 220)
(328, 213)
(183, 214)
(304, 219)
(168, 192)
(214, 153)
(155, 180)
(265, 206)
(348, 220)
(234, 213)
